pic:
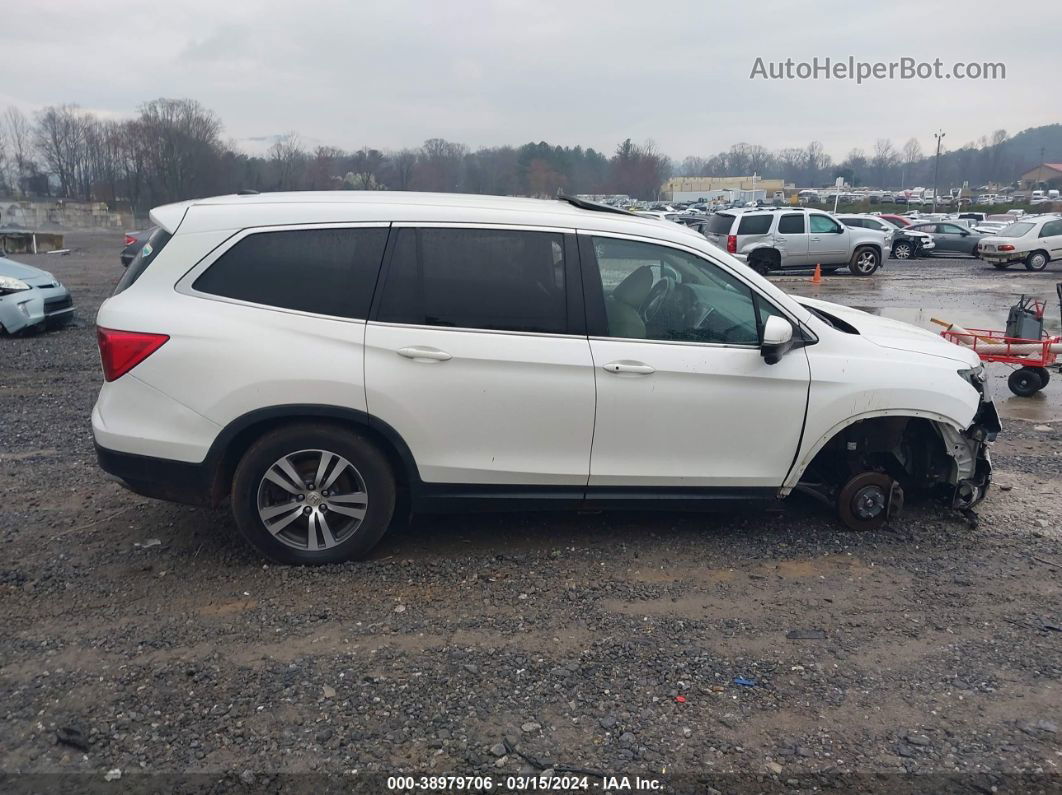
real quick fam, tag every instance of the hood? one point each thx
(28, 274)
(895, 334)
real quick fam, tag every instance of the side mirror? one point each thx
(777, 339)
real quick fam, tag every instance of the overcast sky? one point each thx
(390, 74)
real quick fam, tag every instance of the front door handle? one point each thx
(424, 353)
(635, 368)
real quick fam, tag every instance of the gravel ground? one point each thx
(495, 644)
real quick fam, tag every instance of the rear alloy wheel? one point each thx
(868, 499)
(313, 493)
(903, 250)
(864, 262)
(1036, 261)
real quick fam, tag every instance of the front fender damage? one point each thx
(971, 465)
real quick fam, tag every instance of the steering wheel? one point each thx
(654, 302)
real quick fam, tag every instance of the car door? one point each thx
(476, 355)
(1051, 238)
(791, 239)
(827, 240)
(684, 398)
(955, 238)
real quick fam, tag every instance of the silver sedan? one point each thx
(31, 298)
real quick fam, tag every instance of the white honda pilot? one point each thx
(321, 358)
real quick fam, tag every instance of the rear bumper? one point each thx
(158, 478)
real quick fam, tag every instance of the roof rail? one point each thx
(583, 204)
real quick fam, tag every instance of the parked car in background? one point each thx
(698, 223)
(923, 242)
(771, 239)
(313, 357)
(1033, 241)
(950, 238)
(990, 227)
(31, 299)
(899, 242)
(134, 241)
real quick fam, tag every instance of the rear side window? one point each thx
(720, 223)
(755, 224)
(506, 280)
(792, 224)
(148, 253)
(325, 271)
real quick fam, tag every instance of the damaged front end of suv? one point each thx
(866, 470)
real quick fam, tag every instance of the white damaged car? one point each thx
(321, 358)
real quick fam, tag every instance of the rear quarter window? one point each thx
(148, 253)
(720, 224)
(324, 271)
(755, 225)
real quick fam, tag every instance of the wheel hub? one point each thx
(868, 499)
(312, 499)
(869, 502)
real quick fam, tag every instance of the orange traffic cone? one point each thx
(817, 278)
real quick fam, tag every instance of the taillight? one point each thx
(731, 244)
(121, 351)
(129, 240)
(1005, 247)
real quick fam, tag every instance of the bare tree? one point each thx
(182, 144)
(885, 158)
(19, 137)
(60, 139)
(912, 153)
(288, 160)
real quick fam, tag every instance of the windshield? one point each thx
(1015, 230)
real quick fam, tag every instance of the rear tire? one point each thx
(1036, 261)
(1045, 375)
(1025, 381)
(864, 262)
(309, 523)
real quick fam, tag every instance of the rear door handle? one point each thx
(424, 353)
(635, 368)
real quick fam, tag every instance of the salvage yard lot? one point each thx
(569, 635)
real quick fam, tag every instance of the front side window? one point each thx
(660, 293)
(497, 279)
(791, 224)
(823, 224)
(324, 271)
(951, 229)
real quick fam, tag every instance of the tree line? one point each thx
(173, 149)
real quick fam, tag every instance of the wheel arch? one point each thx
(234, 440)
(807, 457)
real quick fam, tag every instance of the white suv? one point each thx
(319, 358)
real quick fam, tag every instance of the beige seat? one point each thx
(622, 307)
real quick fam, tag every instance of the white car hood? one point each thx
(895, 334)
